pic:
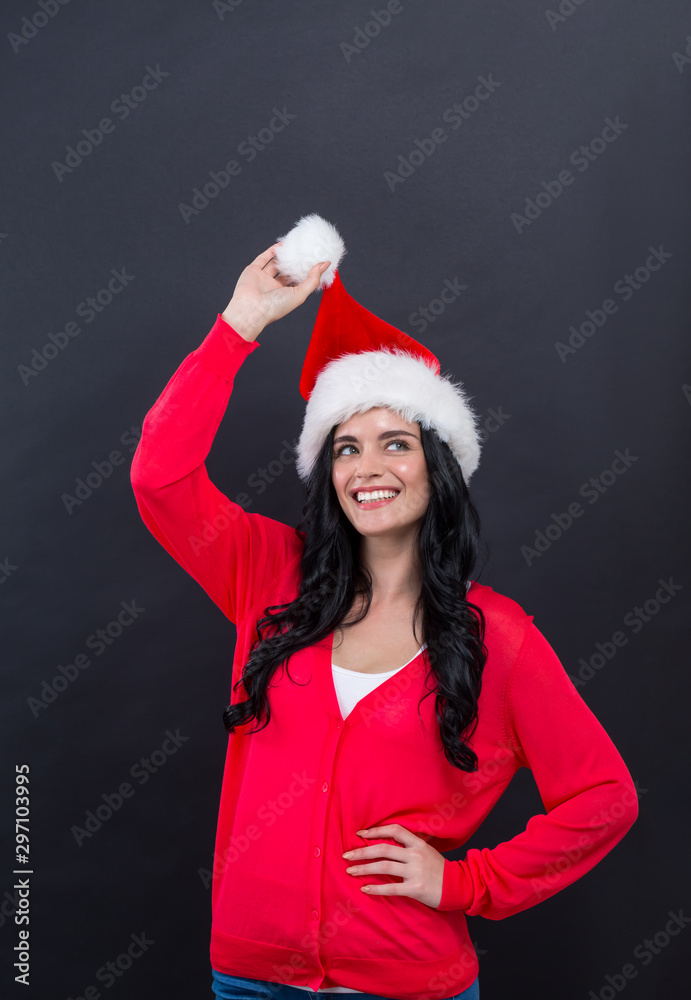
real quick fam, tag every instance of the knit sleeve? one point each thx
(234, 555)
(589, 796)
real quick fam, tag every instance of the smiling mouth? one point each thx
(372, 498)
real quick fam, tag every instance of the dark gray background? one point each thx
(626, 387)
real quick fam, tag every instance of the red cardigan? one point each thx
(294, 794)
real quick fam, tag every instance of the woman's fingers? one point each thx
(266, 255)
(266, 295)
(311, 282)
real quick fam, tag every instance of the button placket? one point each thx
(336, 730)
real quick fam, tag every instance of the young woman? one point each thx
(381, 699)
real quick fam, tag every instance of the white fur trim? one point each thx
(353, 383)
(310, 241)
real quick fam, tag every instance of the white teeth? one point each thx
(375, 495)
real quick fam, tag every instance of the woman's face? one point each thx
(382, 451)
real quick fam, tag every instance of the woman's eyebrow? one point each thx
(382, 436)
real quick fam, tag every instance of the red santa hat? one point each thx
(356, 361)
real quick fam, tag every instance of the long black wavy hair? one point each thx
(332, 577)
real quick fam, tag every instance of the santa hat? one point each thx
(356, 361)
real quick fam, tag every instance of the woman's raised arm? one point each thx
(234, 555)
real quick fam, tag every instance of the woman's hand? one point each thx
(419, 865)
(263, 295)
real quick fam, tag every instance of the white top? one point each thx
(351, 686)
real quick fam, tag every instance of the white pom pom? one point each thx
(310, 241)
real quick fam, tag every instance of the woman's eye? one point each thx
(343, 447)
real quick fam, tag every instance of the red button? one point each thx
(315, 915)
(325, 787)
(317, 852)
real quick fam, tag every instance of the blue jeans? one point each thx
(237, 988)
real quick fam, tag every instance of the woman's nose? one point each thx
(369, 461)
